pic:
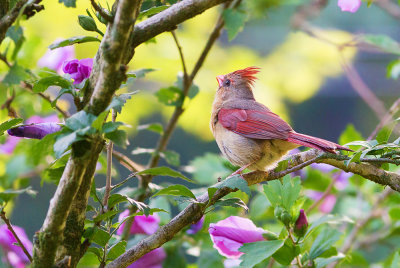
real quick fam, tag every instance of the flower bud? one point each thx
(286, 218)
(87, 23)
(34, 131)
(301, 225)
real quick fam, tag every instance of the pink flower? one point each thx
(349, 5)
(14, 254)
(195, 227)
(327, 204)
(54, 59)
(12, 141)
(141, 225)
(153, 259)
(230, 234)
(79, 70)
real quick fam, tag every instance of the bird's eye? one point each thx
(227, 82)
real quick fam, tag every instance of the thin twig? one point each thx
(324, 195)
(389, 7)
(185, 74)
(363, 90)
(386, 119)
(109, 166)
(29, 87)
(104, 13)
(294, 243)
(7, 222)
(127, 162)
(3, 58)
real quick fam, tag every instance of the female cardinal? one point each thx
(247, 132)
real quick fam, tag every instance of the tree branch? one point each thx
(195, 211)
(167, 20)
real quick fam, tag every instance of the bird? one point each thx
(249, 134)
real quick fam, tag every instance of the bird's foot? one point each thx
(239, 171)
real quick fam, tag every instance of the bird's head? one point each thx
(238, 84)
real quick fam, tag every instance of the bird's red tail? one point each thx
(313, 142)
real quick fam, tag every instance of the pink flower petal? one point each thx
(349, 5)
(153, 259)
(231, 233)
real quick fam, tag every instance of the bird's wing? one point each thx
(254, 124)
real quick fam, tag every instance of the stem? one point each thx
(109, 166)
(29, 87)
(103, 12)
(294, 243)
(7, 222)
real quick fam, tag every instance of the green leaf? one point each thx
(258, 251)
(395, 261)
(171, 96)
(9, 124)
(68, 3)
(384, 134)
(234, 182)
(119, 137)
(62, 92)
(80, 120)
(64, 141)
(98, 122)
(119, 101)
(394, 213)
(393, 69)
(285, 194)
(116, 250)
(231, 202)
(234, 22)
(331, 219)
(176, 190)
(323, 242)
(74, 40)
(116, 199)
(87, 23)
(7, 195)
(208, 168)
(164, 171)
(382, 42)
(140, 73)
(172, 158)
(43, 147)
(101, 237)
(350, 134)
(286, 253)
(151, 11)
(193, 89)
(54, 80)
(323, 262)
(105, 216)
(96, 251)
(15, 75)
(155, 127)
(15, 33)
(111, 126)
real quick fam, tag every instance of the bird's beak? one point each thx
(220, 79)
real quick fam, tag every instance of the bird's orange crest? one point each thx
(248, 74)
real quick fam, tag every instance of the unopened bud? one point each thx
(301, 225)
(286, 218)
(87, 23)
